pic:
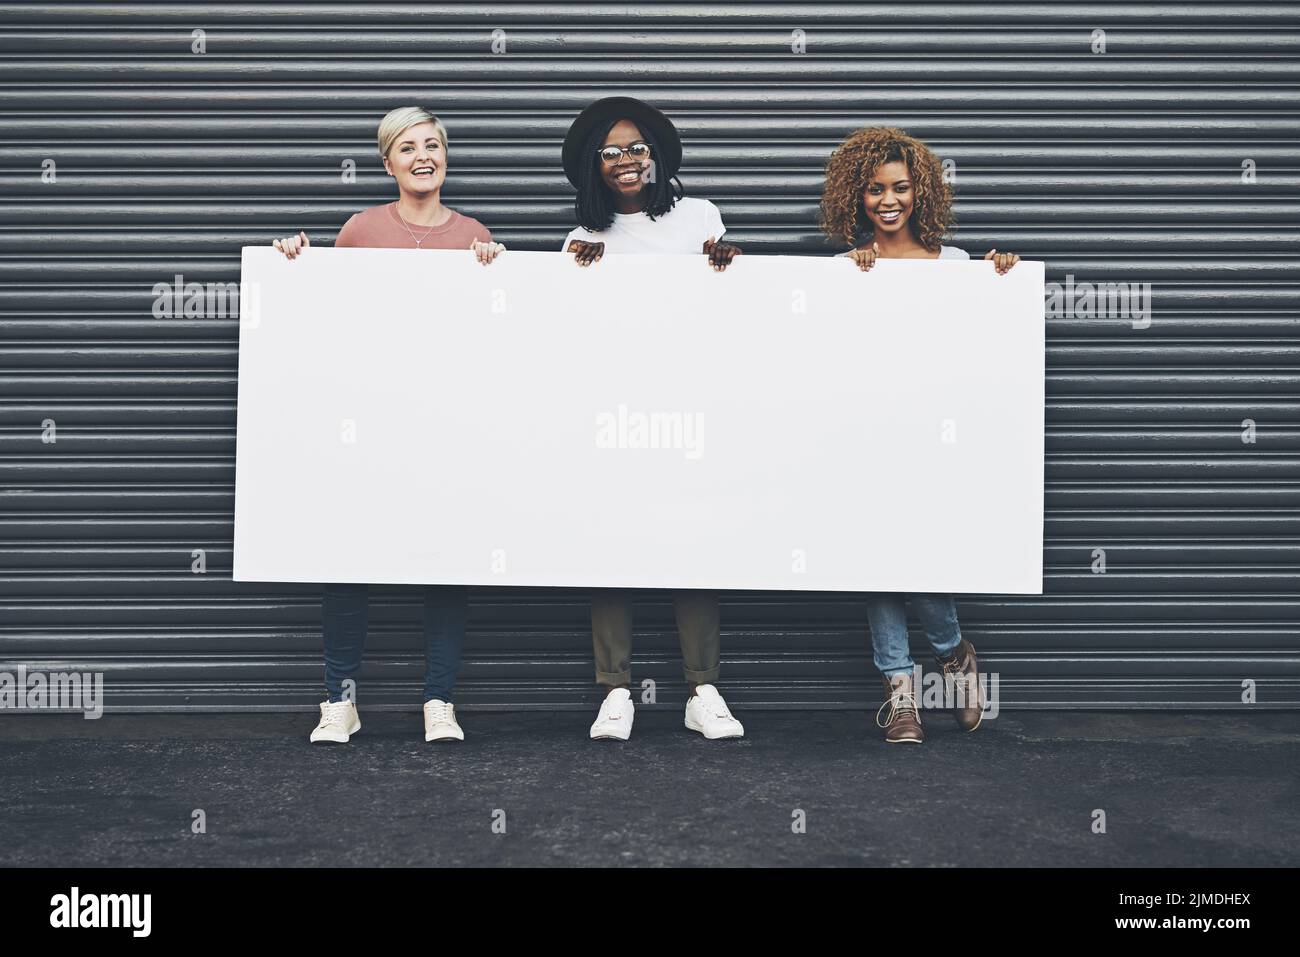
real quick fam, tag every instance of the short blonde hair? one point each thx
(398, 121)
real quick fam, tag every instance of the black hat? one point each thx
(622, 108)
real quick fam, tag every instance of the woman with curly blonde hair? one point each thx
(885, 196)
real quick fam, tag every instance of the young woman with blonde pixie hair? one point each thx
(413, 146)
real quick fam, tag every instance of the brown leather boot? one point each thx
(961, 675)
(903, 724)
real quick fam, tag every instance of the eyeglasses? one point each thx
(609, 155)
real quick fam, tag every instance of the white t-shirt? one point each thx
(683, 229)
(945, 252)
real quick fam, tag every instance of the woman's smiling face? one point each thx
(889, 197)
(417, 160)
(627, 177)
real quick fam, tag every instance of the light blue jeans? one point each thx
(887, 614)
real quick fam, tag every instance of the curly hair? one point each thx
(850, 169)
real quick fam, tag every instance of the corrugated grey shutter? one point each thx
(1122, 166)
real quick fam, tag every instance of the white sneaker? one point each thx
(440, 722)
(707, 713)
(615, 719)
(338, 722)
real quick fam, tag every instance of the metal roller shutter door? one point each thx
(1121, 166)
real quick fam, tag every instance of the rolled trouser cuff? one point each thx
(702, 677)
(614, 678)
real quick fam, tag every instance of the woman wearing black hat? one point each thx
(622, 156)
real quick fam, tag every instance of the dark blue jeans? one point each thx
(345, 610)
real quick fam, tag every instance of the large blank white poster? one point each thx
(412, 416)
